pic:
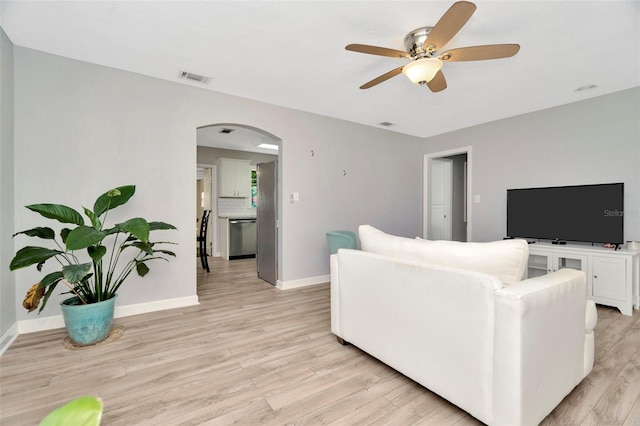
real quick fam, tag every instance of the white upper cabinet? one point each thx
(234, 178)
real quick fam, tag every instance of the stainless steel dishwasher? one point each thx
(242, 238)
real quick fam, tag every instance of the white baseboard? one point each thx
(160, 305)
(305, 282)
(56, 321)
(8, 337)
(40, 324)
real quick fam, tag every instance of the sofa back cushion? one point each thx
(506, 259)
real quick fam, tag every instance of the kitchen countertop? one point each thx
(236, 216)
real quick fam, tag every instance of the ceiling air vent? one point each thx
(194, 77)
(226, 130)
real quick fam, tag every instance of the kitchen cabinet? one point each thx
(613, 276)
(234, 178)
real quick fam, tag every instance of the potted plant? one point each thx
(113, 253)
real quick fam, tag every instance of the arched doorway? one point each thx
(236, 141)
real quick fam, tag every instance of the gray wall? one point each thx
(587, 142)
(7, 282)
(81, 129)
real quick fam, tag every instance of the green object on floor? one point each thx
(84, 411)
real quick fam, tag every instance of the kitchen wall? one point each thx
(232, 206)
(240, 207)
(7, 227)
(81, 129)
(586, 142)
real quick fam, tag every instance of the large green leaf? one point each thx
(47, 295)
(138, 227)
(113, 230)
(167, 252)
(40, 232)
(85, 411)
(83, 237)
(51, 278)
(75, 273)
(95, 222)
(145, 247)
(113, 198)
(155, 226)
(58, 212)
(31, 256)
(96, 252)
(142, 269)
(64, 233)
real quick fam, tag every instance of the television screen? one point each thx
(590, 213)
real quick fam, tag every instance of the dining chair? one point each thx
(202, 239)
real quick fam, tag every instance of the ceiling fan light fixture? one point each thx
(422, 71)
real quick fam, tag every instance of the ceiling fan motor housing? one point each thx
(414, 43)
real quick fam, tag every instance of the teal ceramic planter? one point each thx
(88, 324)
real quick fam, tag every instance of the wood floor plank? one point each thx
(633, 419)
(252, 354)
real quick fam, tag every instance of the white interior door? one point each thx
(440, 188)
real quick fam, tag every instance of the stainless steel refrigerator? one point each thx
(266, 218)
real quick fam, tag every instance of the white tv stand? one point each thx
(613, 276)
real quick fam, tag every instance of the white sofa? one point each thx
(459, 319)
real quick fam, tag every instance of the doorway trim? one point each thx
(213, 226)
(425, 187)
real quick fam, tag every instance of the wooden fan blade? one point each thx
(479, 53)
(437, 83)
(383, 77)
(375, 50)
(449, 24)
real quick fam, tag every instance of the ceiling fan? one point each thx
(423, 44)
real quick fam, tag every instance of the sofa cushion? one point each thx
(375, 241)
(506, 259)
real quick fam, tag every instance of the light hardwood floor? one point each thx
(252, 354)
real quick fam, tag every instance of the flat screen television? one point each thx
(586, 213)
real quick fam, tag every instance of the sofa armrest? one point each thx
(335, 294)
(539, 345)
(591, 318)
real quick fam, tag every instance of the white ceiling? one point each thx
(291, 53)
(240, 138)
